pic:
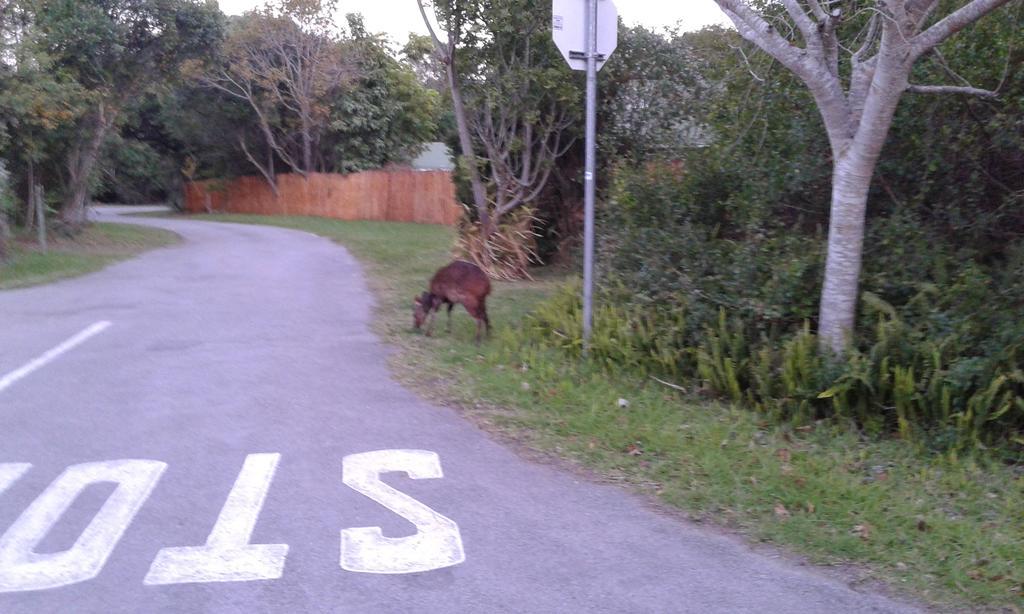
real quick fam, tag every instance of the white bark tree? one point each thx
(857, 105)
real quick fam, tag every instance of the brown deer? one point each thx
(459, 282)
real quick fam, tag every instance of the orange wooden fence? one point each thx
(426, 197)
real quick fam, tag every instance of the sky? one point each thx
(399, 17)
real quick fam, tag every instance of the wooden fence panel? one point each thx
(404, 195)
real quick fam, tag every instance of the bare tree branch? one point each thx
(805, 24)
(438, 45)
(952, 89)
(755, 29)
(870, 38)
(266, 172)
(953, 23)
(818, 10)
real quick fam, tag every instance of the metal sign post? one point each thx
(588, 174)
(599, 37)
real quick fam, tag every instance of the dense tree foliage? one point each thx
(386, 114)
(127, 99)
(72, 72)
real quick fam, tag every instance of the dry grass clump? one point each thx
(507, 253)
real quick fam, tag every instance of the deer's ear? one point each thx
(417, 300)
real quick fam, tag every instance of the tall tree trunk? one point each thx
(852, 172)
(307, 145)
(838, 305)
(445, 54)
(268, 170)
(4, 232)
(468, 154)
(81, 164)
(271, 171)
(30, 198)
(40, 218)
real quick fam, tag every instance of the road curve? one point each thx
(246, 340)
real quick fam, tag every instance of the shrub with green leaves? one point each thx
(711, 259)
(708, 279)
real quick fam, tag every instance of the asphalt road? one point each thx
(251, 346)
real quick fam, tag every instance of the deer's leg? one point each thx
(479, 314)
(450, 307)
(483, 314)
(431, 315)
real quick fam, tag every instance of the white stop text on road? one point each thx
(21, 569)
(228, 556)
(10, 472)
(437, 542)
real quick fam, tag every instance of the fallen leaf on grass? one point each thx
(862, 531)
(781, 511)
(922, 525)
(784, 455)
(810, 507)
(634, 449)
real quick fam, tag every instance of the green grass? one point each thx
(948, 531)
(97, 246)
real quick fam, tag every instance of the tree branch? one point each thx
(869, 39)
(953, 23)
(803, 21)
(755, 29)
(438, 45)
(271, 180)
(811, 65)
(951, 89)
(816, 8)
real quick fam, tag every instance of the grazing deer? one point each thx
(459, 282)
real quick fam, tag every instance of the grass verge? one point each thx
(97, 246)
(946, 530)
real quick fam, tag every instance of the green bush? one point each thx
(898, 382)
(711, 259)
(704, 284)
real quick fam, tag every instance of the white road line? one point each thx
(9, 379)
